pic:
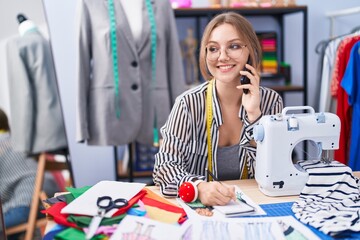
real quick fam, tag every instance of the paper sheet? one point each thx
(86, 203)
(132, 227)
(272, 228)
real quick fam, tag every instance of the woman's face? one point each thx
(226, 54)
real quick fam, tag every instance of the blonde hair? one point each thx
(245, 31)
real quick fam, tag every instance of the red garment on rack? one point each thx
(343, 109)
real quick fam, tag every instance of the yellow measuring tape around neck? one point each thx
(209, 117)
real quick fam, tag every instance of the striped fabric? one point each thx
(183, 153)
(330, 201)
(17, 176)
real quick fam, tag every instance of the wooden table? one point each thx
(251, 189)
(248, 186)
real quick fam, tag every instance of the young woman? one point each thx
(229, 51)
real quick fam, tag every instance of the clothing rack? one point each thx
(339, 13)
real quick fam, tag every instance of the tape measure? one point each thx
(209, 118)
(153, 64)
(113, 43)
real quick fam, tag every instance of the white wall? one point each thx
(90, 164)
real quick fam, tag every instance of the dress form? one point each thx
(25, 25)
(133, 11)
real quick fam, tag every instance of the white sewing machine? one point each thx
(277, 135)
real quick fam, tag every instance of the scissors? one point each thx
(104, 204)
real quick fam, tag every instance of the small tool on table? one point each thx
(105, 204)
(213, 176)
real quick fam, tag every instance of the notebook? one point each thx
(235, 209)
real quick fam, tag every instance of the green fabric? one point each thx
(84, 221)
(76, 192)
(69, 198)
(75, 234)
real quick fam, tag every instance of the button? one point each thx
(134, 64)
(134, 86)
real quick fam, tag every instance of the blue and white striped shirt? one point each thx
(17, 175)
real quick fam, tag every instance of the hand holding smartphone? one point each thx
(244, 79)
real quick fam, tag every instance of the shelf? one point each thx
(205, 12)
(290, 88)
(125, 174)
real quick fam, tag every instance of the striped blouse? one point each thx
(183, 153)
(17, 176)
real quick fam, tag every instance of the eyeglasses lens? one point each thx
(233, 50)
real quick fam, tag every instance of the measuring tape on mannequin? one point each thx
(114, 49)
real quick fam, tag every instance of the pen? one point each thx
(213, 176)
(238, 196)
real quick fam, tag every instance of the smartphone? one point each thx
(244, 79)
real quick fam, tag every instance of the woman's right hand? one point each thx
(215, 193)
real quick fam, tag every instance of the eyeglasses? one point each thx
(233, 50)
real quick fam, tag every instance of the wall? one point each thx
(92, 164)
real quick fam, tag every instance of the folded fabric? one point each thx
(165, 206)
(50, 235)
(84, 221)
(76, 192)
(330, 200)
(75, 234)
(54, 212)
(62, 219)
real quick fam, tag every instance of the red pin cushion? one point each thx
(188, 191)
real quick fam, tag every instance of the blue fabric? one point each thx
(16, 216)
(284, 209)
(351, 84)
(53, 232)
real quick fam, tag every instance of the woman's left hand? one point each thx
(251, 100)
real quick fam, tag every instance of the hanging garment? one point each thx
(36, 123)
(325, 101)
(351, 84)
(139, 98)
(330, 200)
(320, 50)
(343, 108)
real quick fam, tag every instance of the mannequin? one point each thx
(36, 116)
(111, 112)
(25, 25)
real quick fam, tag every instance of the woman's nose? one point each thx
(223, 55)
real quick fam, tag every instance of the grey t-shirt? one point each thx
(228, 163)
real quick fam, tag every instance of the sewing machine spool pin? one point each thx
(276, 137)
